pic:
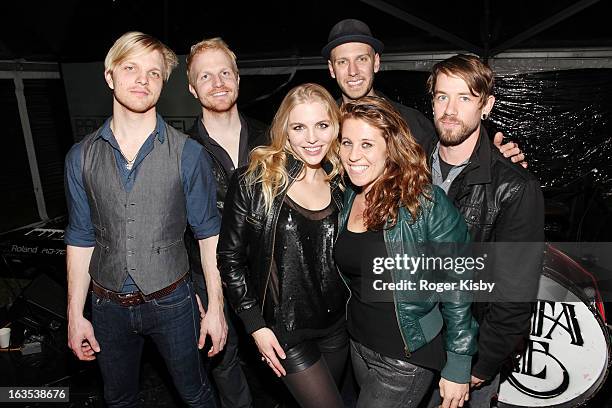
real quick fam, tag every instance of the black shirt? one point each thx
(372, 319)
(219, 152)
(445, 168)
(304, 281)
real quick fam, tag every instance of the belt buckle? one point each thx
(130, 299)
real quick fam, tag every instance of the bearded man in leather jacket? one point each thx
(501, 203)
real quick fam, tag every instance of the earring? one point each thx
(484, 116)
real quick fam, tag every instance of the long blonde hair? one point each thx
(267, 164)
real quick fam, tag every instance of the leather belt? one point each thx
(135, 298)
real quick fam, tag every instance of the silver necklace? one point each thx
(128, 163)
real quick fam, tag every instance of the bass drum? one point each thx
(567, 358)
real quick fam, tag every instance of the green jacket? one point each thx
(421, 320)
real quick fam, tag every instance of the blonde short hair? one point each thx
(135, 42)
(210, 44)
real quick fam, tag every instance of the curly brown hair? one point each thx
(406, 175)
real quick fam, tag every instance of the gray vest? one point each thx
(140, 232)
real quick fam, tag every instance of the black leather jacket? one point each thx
(256, 136)
(246, 244)
(502, 202)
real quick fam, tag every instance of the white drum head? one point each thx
(567, 359)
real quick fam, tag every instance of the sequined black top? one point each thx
(304, 281)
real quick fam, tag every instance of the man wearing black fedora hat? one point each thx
(353, 57)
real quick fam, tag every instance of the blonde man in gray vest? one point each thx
(132, 186)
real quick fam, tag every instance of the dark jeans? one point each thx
(173, 323)
(232, 387)
(386, 382)
(481, 397)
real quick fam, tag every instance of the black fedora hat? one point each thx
(350, 30)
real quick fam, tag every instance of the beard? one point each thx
(133, 104)
(457, 135)
(220, 106)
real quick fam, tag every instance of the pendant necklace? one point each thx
(129, 163)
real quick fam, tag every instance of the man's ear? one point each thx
(193, 91)
(330, 66)
(488, 106)
(376, 62)
(108, 77)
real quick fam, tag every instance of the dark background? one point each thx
(559, 113)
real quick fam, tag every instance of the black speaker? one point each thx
(45, 298)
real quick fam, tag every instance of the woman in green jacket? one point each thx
(393, 212)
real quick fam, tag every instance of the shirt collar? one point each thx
(477, 169)
(204, 133)
(106, 132)
(435, 157)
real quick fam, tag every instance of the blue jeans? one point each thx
(386, 382)
(173, 323)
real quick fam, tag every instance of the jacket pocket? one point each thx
(401, 366)
(254, 222)
(477, 214)
(160, 247)
(100, 231)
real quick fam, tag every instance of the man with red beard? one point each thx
(132, 187)
(501, 203)
(228, 137)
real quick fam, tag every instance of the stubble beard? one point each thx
(220, 107)
(454, 137)
(136, 106)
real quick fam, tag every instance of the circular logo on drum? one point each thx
(566, 358)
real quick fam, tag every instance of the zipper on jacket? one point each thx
(399, 326)
(346, 306)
